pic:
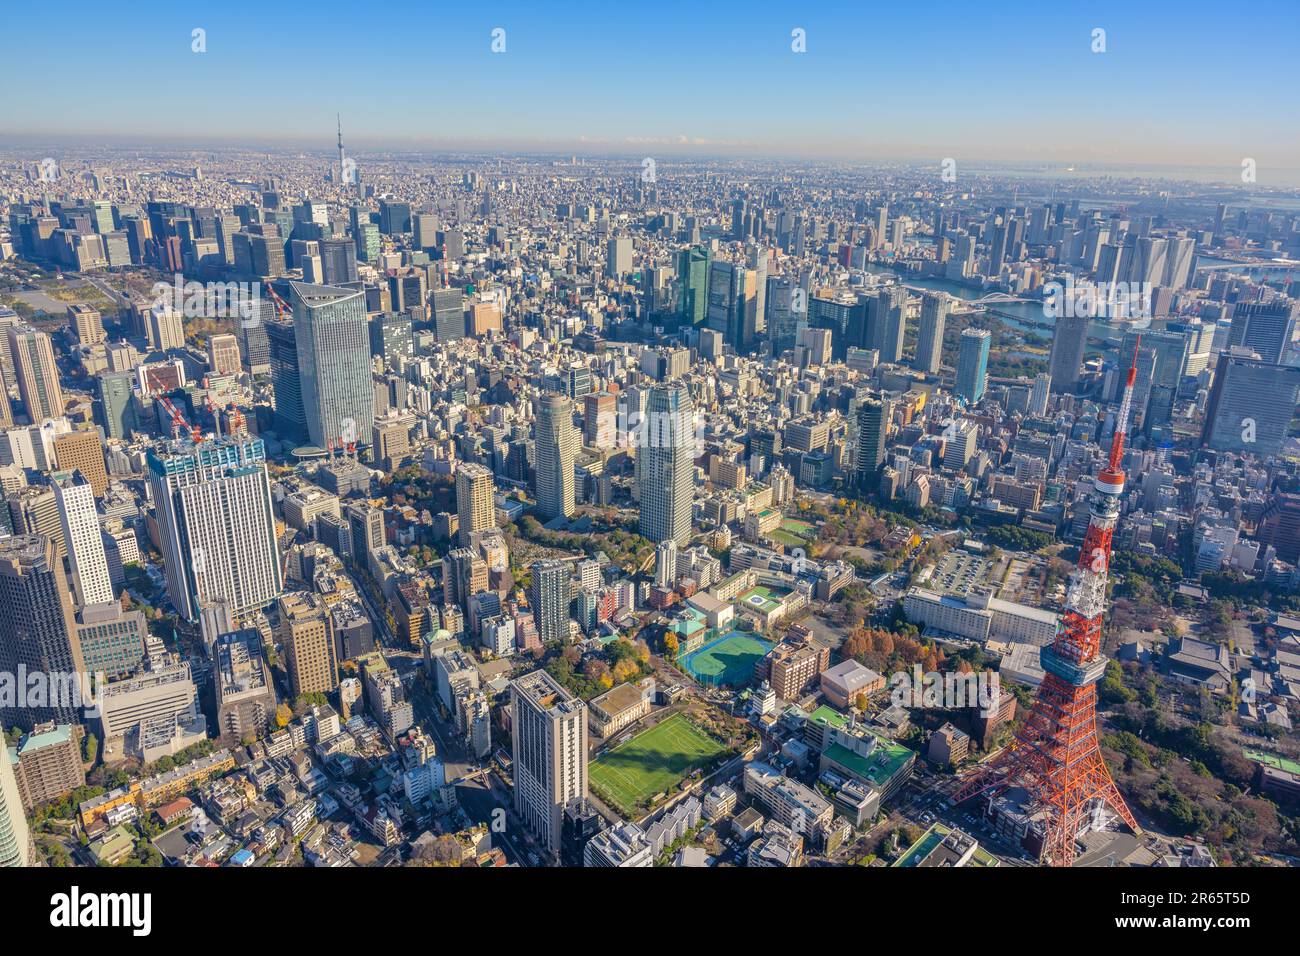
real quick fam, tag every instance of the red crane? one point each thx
(178, 420)
(282, 309)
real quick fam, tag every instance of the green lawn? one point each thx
(787, 538)
(651, 762)
(793, 533)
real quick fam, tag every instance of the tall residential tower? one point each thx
(665, 464)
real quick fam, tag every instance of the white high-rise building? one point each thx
(666, 563)
(91, 582)
(556, 444)
(213, 503)
(166, 327)
(1039, 394)
(959, 444)
(15, 839)
(1178, 262)
(549, 738)
(475, 499)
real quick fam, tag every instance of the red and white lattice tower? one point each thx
(1055, 755)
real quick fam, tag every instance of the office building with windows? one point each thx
(215, 518)
(333, 345)
(549, 746)
(665, 464)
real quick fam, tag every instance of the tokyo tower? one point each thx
(1055, 755)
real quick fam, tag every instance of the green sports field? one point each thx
(651, 762)
(793, 533)
(726, 661)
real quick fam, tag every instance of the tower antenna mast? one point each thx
(1056, 755)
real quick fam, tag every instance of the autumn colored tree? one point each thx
(625, 670)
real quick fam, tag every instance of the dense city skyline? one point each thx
(845, 440)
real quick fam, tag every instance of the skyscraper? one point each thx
(1149, 261)
(549, 746)
(693, 275)
(618, 261)
(929, 339)
(424, 226)
(973, 365)
(449, 314)
(366, 529)
(37, 374)
(886, 323)
(333, 345)
(1250, 405)
(666, 563)
(599, 420)
(1160, 367)
(217, 526)
(733, 304)
(784, 314)
(556, 444)
(1069, 339)
(1179, 261)
(223, 354)
(38, 631)
(873, 423)
(1039, 394)
(665, 464)
(474, 499)
(338, 259)
(549, 597)
(1265, 327)
(286, 382)
(394, 217)
(113, 406)
(166, 327)
(82, 538)
(881, 230)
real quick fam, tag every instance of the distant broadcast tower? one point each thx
(342, 159)
(1055, 755)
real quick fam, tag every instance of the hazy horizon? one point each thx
(1016, 84)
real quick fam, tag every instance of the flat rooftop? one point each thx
(878, 769)
(619, 699)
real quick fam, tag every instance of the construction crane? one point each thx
(178, 420)
(282, 310)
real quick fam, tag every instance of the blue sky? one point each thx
(1187, 83)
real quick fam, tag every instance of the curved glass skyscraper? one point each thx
(333, 342)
